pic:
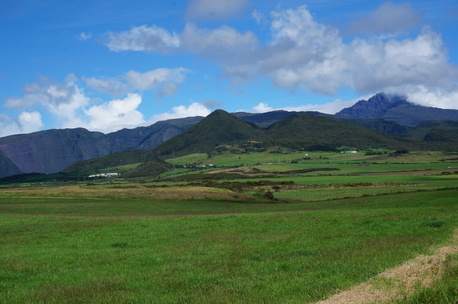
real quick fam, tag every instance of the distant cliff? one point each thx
(53, 150)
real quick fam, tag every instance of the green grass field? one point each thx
(140, 241)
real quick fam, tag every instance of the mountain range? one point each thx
(396, 108)
(53, 150)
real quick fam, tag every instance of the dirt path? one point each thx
(398, 282)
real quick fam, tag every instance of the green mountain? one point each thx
(107, 161)
(377, 124)
(53, 150)
(147, 165)
(434, 131)
(309, 131)
(301, 130)
(218, 128)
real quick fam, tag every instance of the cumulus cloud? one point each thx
(164, 81)
(303, 54)
(115, 114)
(61, 99)
(71, 108)
(143, 38)
(389, 18)
(30, 121)
(27, 122)
(430, 96)
(8, 126)
(262, 108)
(378, 65)
(234, 51)
(195, 109)
(215, 9)
(223, 43)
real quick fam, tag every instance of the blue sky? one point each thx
(107, 65)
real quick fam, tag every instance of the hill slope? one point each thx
(53, 150)
(312, 130)
(302, 130)
(217, 128)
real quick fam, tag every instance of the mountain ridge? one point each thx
(53, 150)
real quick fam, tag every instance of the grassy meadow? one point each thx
(225, 241)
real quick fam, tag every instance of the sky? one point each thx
(105, 65)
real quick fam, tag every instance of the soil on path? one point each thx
(399, 282)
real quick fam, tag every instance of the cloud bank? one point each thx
(290, 48)
(143, 38)
(303, 54)
(71, 107)
(26, 122)
(163, 81)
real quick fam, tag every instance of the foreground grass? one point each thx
(112, 249)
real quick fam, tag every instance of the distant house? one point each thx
(349, 152)
(111, 174)
(104, 175)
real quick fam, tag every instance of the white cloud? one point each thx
(112, 86)
(30, 121)
(262, 108)
(388, 18)
(236, 52)
(143, 38)
(301, 53)
(257, 16)
(62, 100)
(85, 36)
(27, 122)
(223, 43)
(327, 108)
(215, 9)
(115, 114)
(8, 126)
(71, 108)
(163, 81)
(195, 109)
(430, 96)
(380, 65)
(306, 55)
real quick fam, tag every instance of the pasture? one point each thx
(155, 241)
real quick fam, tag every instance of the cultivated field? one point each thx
(292, 227)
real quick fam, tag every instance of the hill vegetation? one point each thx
(308, 131)
(222, 133)
(216, 129)
(53, 150)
